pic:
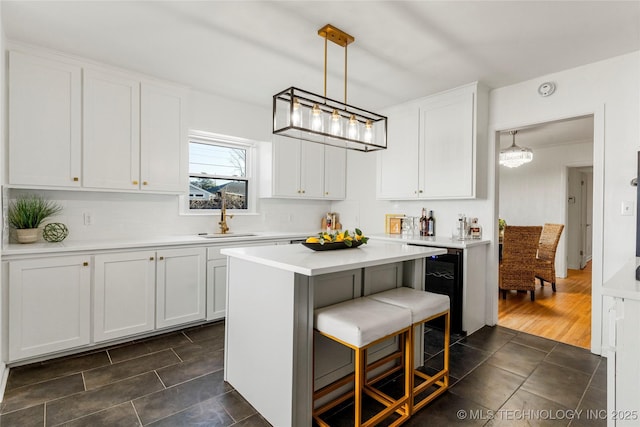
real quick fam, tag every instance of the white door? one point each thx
(335, 173)
(286, 167)
(447, 149)
(111, 131)
(44, 121)
(181, 286)
(163, 139)
(312, 169)
(216, 288)
(49, 305)
(398, 164)
(124, 294)
(586, 217)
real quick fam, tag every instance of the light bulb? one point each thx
(295, 114)
(336, 123)
(353, 127)
(316, 119)
(368, 132)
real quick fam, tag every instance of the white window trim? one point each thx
(228, 141)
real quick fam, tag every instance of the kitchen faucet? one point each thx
(224, 228)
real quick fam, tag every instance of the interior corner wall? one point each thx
(535, 193)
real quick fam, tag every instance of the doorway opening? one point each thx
(556, 187)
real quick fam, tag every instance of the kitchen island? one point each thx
(271, 296)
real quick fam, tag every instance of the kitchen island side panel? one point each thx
(268, 339)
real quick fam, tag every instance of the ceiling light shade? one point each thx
(515, 156)
(305, 115)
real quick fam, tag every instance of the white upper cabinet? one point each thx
(397, 165)
(335, 172)
(111, 131)
(44, 121)
(163, 139)
(433, 143)
(302, 169)
(133, 134)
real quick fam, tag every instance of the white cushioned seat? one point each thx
(361, 321)
(421, 303)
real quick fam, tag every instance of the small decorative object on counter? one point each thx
(27, 213)
(55, 232)
(395, 225)
(423, 223)
(461, 230)
(475, 230)
(328, 241)
(330, 222)
(431, 225)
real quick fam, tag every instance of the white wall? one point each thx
(611, 90)
(3, 132)
(536, 193)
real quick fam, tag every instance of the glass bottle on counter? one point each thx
(475, 230)
(423, 223)
(431, 225)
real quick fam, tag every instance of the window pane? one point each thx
(217, 160)
(205, 193)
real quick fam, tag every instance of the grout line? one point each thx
(44, 414)
(155, 371)
(187, 336)
(84, 383)
(109, 356)
(174, 352)
(136, 412)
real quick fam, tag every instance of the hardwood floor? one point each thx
(563, 316)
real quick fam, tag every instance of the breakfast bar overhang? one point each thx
(271, 295)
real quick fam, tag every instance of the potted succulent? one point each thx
(26, 214)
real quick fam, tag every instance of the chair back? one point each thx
(520, 244)
(549, 241)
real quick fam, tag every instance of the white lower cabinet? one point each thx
(49, 305)
(124, 294)
(180, 287)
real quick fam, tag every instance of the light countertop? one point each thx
(441, 242)
(43, 248)
(623, 284)
(300, 259)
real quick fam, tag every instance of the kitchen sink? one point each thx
(220, 235)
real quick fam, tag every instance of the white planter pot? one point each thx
(27, 235)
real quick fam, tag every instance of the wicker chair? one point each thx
(546, 259)
(517, 268)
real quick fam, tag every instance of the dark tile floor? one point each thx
(499, 377)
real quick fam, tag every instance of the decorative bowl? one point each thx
(331, 246)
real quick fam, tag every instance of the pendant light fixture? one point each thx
(304, 115)
(515, 156)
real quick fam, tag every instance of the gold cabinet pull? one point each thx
(302, 191)
(135, 182)
(326, 193)
(420, 191)
(145, 183)
(150, 258)
(76, 179)
(161, 258)
(85, 264)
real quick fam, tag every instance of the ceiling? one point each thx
(249, 50)
(561, 132)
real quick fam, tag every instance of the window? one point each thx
(218, 168)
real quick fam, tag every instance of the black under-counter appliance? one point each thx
(444, 276)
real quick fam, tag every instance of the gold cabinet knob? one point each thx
(161, 258)
(302, 191)
(145, 183)
(150, 258)
(135, 182)
(76, 179)
(326, 193)
(420, 191)
(85, 264)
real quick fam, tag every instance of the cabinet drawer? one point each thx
(214, 251)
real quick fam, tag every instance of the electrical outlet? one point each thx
(627, 208)
(88, 218)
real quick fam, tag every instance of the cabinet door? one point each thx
(398, 165)
(286, 167)
(163, 139)
(111, 131)
(216, 288)
(124, 294)
(627, 362)
(311, 169)
(447, 146)
(335, 173)
(181, 285)
(44, 121)
(49, 305)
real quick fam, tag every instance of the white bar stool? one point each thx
(359, 324)
(424, 307)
